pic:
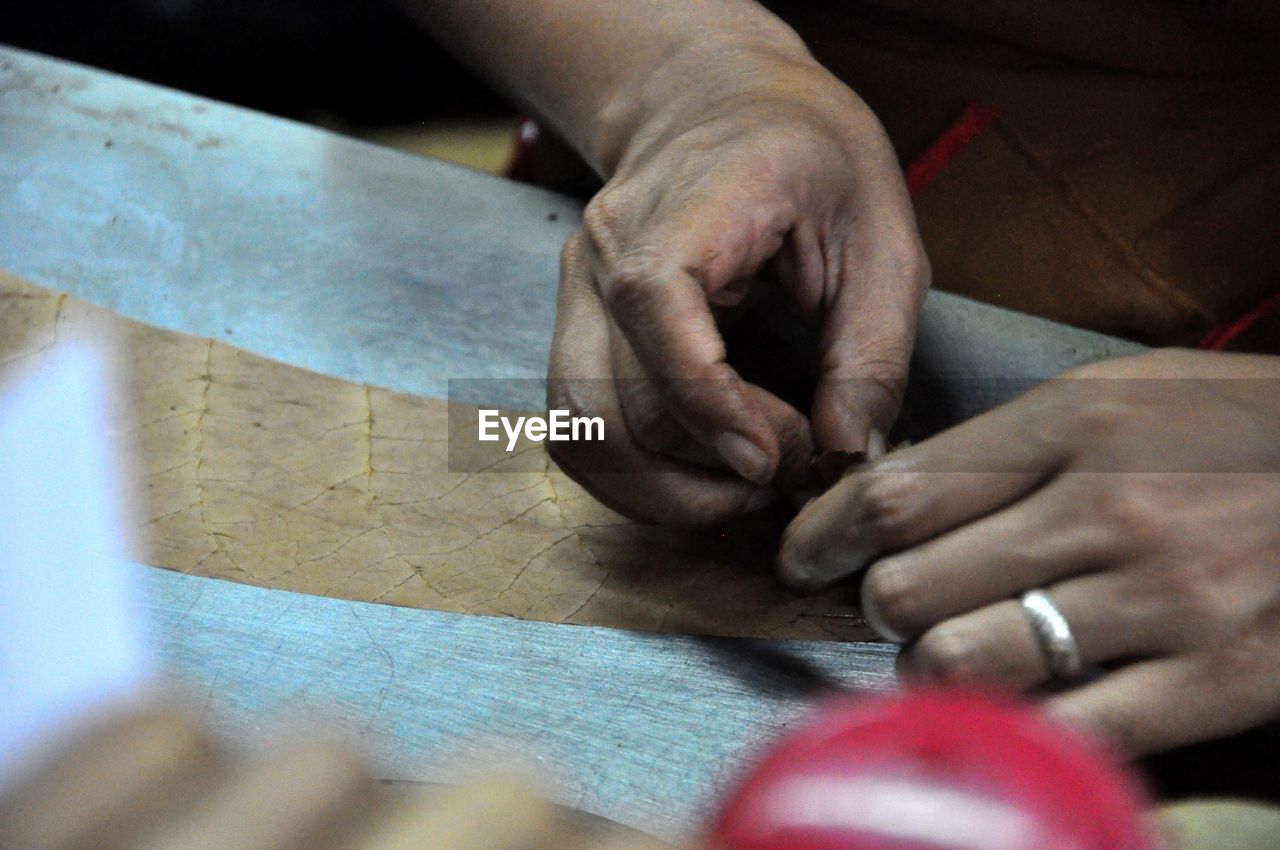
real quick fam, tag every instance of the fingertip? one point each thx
(745, 457)
(823, 546)
(840, 421)
(875, 619)
(807, 557)
(857, 413)
(795, 568)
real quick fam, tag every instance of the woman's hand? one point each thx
(754, 160)
(725, 148)
(1142, 494)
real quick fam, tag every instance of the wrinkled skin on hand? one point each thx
(793, 177)
(1143, 494)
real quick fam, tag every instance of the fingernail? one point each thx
(876, 444)
(745, 457)
(871, 613)
(794, 569)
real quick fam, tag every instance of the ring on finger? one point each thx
(1053, 634)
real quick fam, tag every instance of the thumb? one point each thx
(854, 408)
(867, 340)
(860, 388)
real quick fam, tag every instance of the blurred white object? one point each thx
(72, 633)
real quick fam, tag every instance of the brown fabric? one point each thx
(1132, 184)
(266, 474)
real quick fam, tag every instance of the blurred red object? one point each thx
(934, 769)
(520, 165)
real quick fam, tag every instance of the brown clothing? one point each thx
(1132, 181)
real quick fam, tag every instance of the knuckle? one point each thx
(888, 503)
(1138, 593)
(875, 367)
(1206, 597)
(891, 384)
(887, 372)
(949, 652)
(601, 218)
(631, 287)
(1250, 657)
(1098, 418)
(899, 595)
(1137, 516)
(1074, 526)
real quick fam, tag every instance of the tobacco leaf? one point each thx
(264, 473)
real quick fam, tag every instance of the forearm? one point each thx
(598, 70)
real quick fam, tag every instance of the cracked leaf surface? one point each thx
(264, 473)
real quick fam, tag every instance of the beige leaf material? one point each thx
(264, 473)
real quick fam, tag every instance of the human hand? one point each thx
(1143, 494)
(768, 161)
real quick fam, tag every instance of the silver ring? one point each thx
(1053, 633)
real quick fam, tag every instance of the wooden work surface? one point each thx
(275, 476)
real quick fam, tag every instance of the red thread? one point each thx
(1221, 335)
(973, 119)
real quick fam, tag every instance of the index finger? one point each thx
(617, 471)
(922, 491)
(658, 288)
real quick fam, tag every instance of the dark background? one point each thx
(354, 62)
